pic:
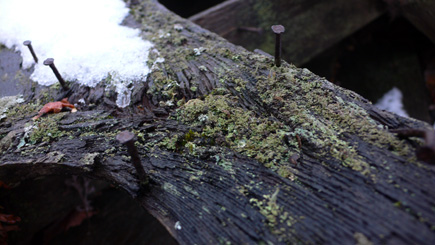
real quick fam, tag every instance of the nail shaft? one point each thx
(28, 43)
(127, 138)
(278, 50)
(278, 29)
(50, 62)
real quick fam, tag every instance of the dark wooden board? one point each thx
(239, 151)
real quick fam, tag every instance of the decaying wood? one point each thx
(311, 26)
(236, 150)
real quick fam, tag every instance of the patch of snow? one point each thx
(84, 37)
(202, 117)
(162, 34)
(178, 27)
(7, 102)
(392, 102)
(177, 225)
(157, 61)
(198, 51)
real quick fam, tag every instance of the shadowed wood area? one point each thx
(311, 26)
(420, 13)
(236, 150)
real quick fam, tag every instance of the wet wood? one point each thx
(320, 175)
(420, 13)
(226, 17)
(311, 26)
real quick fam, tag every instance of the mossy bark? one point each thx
(237, 150)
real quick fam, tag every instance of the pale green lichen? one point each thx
(323, 119)
(169, 143)
(170, 188)
(276, 218)
(225, 123)
(9, 102)
(306, 108)
(89, 158)
(55, 156)
(7, 140)
(46, 129)
(361, 239)
(225, 164)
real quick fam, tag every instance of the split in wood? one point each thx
(128, 138)
(425, 153)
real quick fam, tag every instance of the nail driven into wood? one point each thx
(28, 43)
(50, 62)
(278, 29)
(128, 138)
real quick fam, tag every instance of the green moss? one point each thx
(322, 119)
(286, 172)
(299, 104)
(191, 147)
(46, 129)
(306, 108)
(230, 125)
(22, 110)
(169, 143)
(190, 136)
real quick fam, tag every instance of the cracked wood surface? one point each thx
(203, 181)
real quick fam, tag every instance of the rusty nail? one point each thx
(128, 138)
(50, 62)
(28, 43)
(278, 29)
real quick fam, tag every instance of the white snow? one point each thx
(84, 37)
(7, 102)
(392, 102)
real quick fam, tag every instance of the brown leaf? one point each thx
(9, 218)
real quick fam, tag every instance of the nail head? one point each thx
(27, 42)
(48, 61)
(125, 136)
(278, 29)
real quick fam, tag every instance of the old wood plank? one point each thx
(311, 26)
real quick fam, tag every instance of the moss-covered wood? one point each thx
(237, 150)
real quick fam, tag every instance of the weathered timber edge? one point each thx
(236, 149)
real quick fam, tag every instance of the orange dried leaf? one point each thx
(9, 218)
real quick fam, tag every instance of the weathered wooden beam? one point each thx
(421, 14)
(237, 150)
(223, 18)
(311, 26)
